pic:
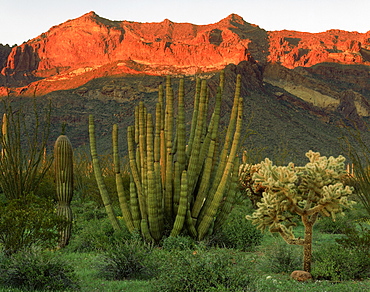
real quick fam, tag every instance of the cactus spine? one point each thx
(178, 183)
(63, 162)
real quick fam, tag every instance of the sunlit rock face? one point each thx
(78, 50)
(293, 49)
(100, 46)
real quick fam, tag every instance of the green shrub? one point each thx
(338, 263)
(327, 225)
(95, 235)
(36, 270)
(125, 261)
(356, 238)
(237, 232)
(208, 270)
(281, 257)
(178, 243)
(28, 221)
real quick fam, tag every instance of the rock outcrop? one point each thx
(293, 49)
(94, 45)
(76, 51)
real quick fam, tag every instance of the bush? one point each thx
(178, 243)
(213, 270)
(95, 235)
(36, 270)
(125, 261)
(28, 221)
(281, 257)
(237, 232)
(356, 238)
(338, 263)
(327, 225)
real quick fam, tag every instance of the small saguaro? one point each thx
(63, 166)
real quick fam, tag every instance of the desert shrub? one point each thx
(28, 221)
(237, 232)
(95, 235)
(178, 243)
(34, 269)
(327, 225)
(279, 257)
(356, 238)
(338, 263)
(125, 260)
(207, 270)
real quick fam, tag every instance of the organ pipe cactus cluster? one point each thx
(307, 191)
(63, 163)
(177, 184)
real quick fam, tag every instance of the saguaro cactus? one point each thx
(63, 163)
(176, 184)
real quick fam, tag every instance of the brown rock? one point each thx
(301, 276)
(293, 49)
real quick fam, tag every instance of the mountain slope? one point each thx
(301, 90)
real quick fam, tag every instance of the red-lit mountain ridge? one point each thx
(78, 50)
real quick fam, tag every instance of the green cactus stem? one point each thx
(63, 163)
(99, 177)
(177, 184)
(126, 214)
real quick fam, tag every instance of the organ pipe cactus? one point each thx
(179, 184)
(63, 163)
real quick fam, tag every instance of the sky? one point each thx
(22, 20)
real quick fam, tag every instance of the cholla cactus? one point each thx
(247, 185)
(307, 191)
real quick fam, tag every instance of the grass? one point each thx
(85, 265)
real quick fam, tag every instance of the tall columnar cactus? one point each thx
(307, 191)
(63, 163)
(179, 184)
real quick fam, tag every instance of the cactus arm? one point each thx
(157, 159)
(142, 153)
(153, 187)
(230, 197)
(183, 206)
(181, 128)
(181, 145)
(210, 213)
(195, 165)
(169, 155)
(126, 213)
(221, 163)
(160, 120)
(136, 126)
(134, 170)
(205, 180)
(99, 177)
(194, 117)
(134, 205)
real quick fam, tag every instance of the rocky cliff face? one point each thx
(91, 44)
(74, 52)
(293, 49)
